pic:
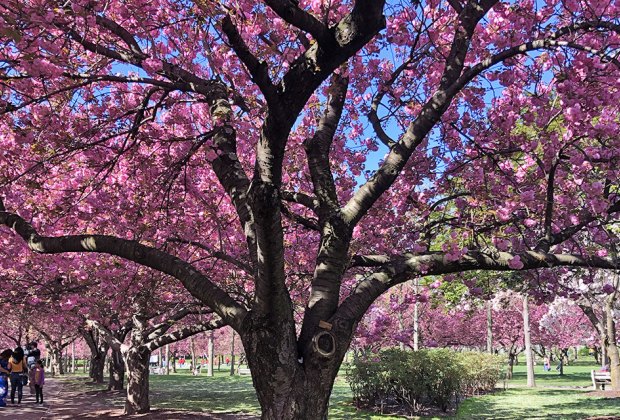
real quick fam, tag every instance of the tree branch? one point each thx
(183, 333)
(301, 198)
(217, 254)
(290, 12)
(195, 282)
(108, 336)
(258, 69)
(318, 147)
(398, 269)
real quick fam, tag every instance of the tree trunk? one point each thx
(117, 371)
(416, 320)
(511, 364)
(57, 367)
(97, 364)
(211, 351)
(287, 387)
(73, 369)
(612, 347)
(489, 327)
(98, 351)
(232, 354)
(137, 363)
(529, 359)
(192, 350)
(597, 355)
(167, 359)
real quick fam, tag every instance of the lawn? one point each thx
(557, 397)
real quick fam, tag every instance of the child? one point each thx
(39, 380)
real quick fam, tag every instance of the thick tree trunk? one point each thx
(98, 351)
(289, 387)
(97, 364)
(529, 359)
(57, 365)
(116, 380)
(612, 347)
(137, 363)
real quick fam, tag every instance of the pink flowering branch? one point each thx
(196, 282)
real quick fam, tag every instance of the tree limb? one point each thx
(196, 283)
(290, 12)
(398, 269)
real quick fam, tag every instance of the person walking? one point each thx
(18, 368)
(4, 375)
(39, 380)
(32, 354)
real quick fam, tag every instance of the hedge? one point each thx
(424, 378)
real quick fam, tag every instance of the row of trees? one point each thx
(278, 166)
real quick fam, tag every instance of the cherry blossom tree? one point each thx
(237, 149)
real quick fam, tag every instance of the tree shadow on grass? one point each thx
(538, 404)
(201, 393)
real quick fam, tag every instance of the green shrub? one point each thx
(427, 377)
(480, 372)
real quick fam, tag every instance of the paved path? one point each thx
(28, 409)
(63, 403)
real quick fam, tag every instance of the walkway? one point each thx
(62, 403)
(28, 409)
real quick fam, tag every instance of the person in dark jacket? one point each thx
(4, 375)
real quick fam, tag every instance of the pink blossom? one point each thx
(515, 263)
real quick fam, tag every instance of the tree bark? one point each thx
(232, 354)
(511, 364)
(98, 351)
(416, 320)
(137, 363)
(612, 347)
(97, 364)
(192, 349)
(529, 359)
(211, 351)
(167, 359)
(116, 380)
(489, 327)
(73, 365)
(57, 366)
(287, 387)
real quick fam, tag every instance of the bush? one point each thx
(424, 378)
(480, 372)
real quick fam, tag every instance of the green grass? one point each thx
(575, 375)
(221, 393)
(557, 397)
(524, 403)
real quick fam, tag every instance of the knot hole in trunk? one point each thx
(324, 343)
